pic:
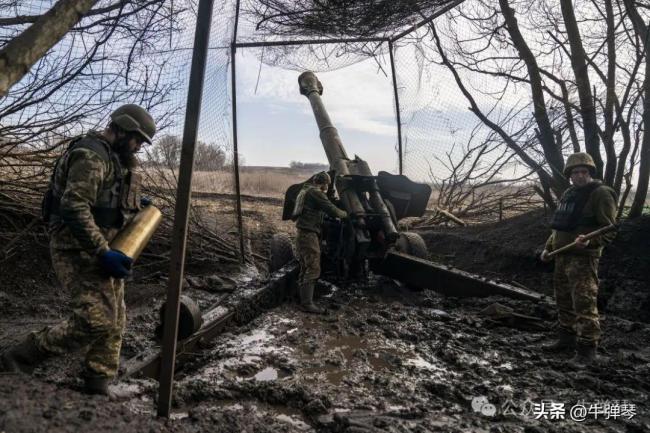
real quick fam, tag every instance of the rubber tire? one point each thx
(413, 244)
(281, 251)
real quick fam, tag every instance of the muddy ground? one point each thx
(382, 359)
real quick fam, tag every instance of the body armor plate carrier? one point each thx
(114, 198)
(568, 215)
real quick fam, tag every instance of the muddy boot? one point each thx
(566, 342)
(96, 384)
(23, 357)
(307, 298)
(585, 355)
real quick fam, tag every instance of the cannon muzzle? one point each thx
(309, 83)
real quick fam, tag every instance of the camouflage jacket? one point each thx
(83, 180)
(600, 210)
(311, 206)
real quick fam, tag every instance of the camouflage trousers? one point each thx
(576, 294)
(308, 252)
(98, 313)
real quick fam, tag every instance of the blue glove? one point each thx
(115, 263)
(145, 201)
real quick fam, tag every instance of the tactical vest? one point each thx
(307, 216)
(299, 208)
(116, 199)
(568, 215)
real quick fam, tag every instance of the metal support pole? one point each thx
(233, 70)
(397, 111)
(240, 222)
(181, 212)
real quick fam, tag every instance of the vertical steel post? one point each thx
(181, 212)
(233, 80)
(398, 116)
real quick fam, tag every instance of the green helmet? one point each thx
(322, 178)
(579, 159)
(133, 118)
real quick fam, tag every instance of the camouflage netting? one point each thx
(140, 51)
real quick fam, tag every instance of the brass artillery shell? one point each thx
(136, 235)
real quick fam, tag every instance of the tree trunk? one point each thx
(608, 112)
(570, 123)
(622, 156)
(551, 151)
(20, 54)
(579, 65)
(544, 177)
(644, 166)
(641, 193)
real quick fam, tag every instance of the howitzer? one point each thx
(374, 203)
(369, 238)
(353, 178)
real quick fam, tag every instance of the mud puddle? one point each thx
(423, 363)
(385, 360)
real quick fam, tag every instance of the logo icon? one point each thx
(482, 405)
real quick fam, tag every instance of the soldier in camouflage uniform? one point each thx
(583, 208)
(311, 206)
(93, 193)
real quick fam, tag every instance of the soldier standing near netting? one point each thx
(93, 193)
(586, 206)
(311, 206)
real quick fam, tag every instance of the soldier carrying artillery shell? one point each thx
(93, 194)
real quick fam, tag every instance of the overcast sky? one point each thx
(276, 124)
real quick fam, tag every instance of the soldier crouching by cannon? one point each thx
(311, 206)
(92, 200)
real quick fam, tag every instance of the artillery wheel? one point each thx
(413, 244)
(281, 251)
(189, 318)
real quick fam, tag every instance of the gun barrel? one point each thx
(312, 88)
(338, 159)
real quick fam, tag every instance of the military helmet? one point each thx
(322, 178)
(133, 118)
(579, 159)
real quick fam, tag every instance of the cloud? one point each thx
(356, 98)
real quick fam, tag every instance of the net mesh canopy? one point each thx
(141, 52)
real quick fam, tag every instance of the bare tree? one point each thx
(19, 55)
(107, 58)
(643, 32)
(476, 187)
(579, 61)
(166, 152)
(583, 84)
(554, 63)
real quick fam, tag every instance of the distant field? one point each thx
(490, 203)
(258, 181)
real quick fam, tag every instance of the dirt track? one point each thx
(383, 359)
